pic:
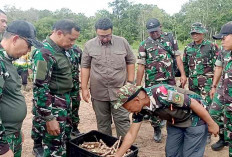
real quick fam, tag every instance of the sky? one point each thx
(88, 7)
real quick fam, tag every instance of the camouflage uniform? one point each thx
(75, 93)
(75, 58)
(221, 106)
(187, 133)
(53, 83)
(11, 101)
(199, 63)
(156, 55)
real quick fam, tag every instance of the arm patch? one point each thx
(176, 98)
(41, 70)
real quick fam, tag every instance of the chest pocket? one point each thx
(118, 60)
(13, 83)
(63, 64)
(157, 53)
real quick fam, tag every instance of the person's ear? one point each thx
(14, 39)
(136, 98)
(59, 33)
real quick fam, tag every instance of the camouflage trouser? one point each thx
(15, 142)
(75, 96)
(228, 125)
(36, 132)
(221, 113)
(56, 145)
(217, 111)
(202, 87)
(156, 121)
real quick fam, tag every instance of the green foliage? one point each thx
(44, 27)
(129, 19)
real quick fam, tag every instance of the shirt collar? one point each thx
(3, 54)
(54, 45)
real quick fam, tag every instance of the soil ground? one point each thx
(145, 142)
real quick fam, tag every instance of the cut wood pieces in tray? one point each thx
(101, 149)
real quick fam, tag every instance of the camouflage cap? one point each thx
(198, 28)
(125, 94)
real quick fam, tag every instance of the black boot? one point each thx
(219, 144)
(38, 150)
(157, 134)
(75, 131)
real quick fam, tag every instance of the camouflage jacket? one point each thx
(172, 104)
(224, 60)
(53, 76)
(200, 59)
(157, 56)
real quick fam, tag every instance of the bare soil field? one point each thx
(145, 142)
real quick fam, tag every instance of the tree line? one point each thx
(129, 19)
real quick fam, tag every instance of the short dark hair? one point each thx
(2, 12)
(66, 26)
(104, 24)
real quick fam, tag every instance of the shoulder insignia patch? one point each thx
(176, 97)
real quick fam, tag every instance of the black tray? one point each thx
(73, 149)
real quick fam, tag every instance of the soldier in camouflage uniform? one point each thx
(53, 83)
(156, 58)
(216, 108)
(3, 23)
(222, 100)
(17, 41)
(184, 111)
(199, 59)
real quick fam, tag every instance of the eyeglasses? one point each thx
(104, 36)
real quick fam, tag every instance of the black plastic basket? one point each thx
(74, 150)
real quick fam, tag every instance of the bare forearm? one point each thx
(85, 72)
(217, 75)
(129, 139)
(131, 72)
(140, 73)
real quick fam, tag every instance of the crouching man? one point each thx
(188, 122)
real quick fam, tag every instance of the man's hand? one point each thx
(183, 80)
(85, 95)
(212, 92)
(53, 127)
(8, 154)
(213, 128)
